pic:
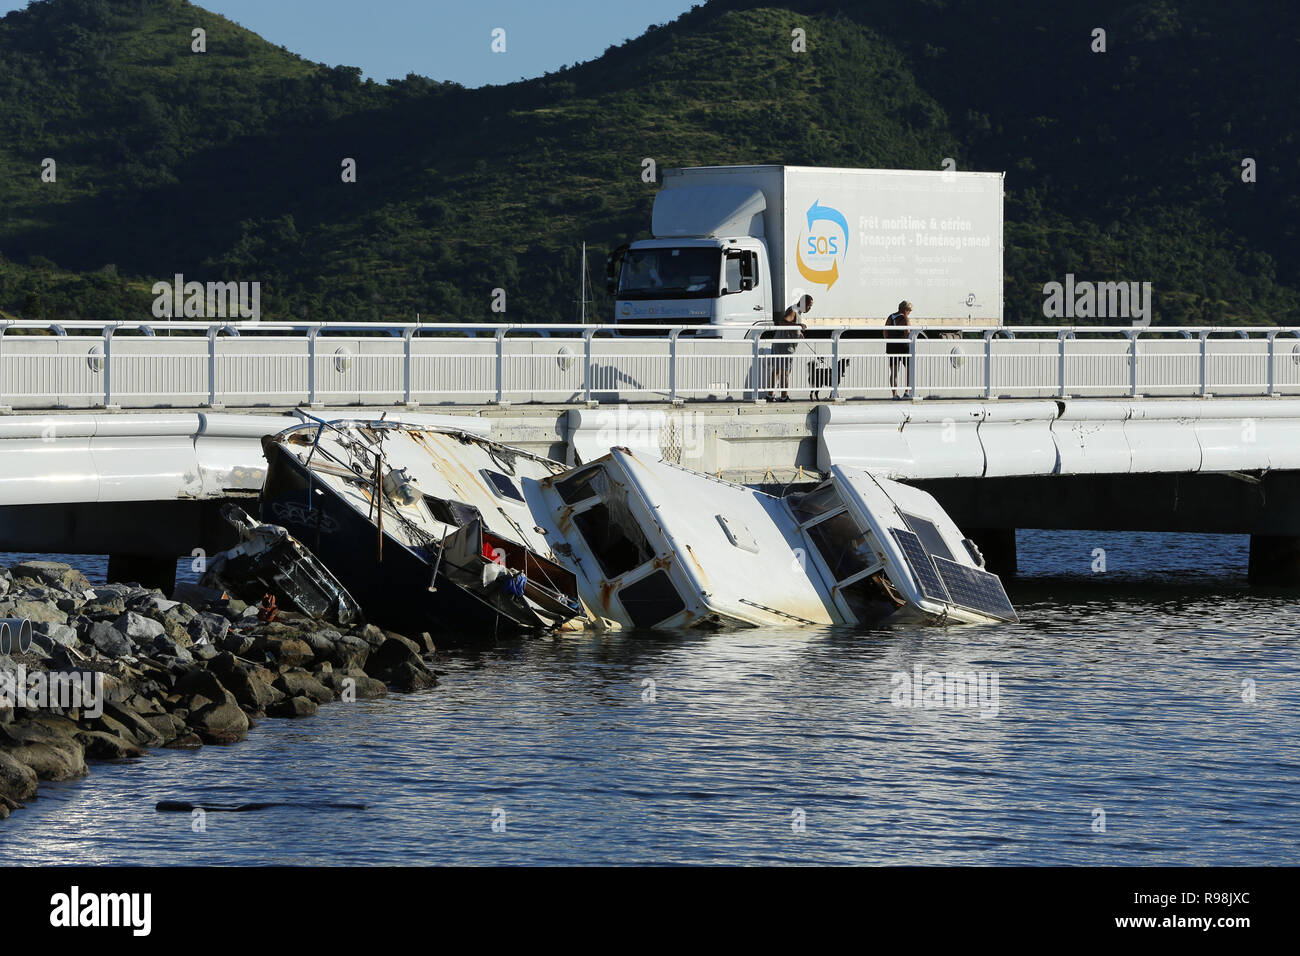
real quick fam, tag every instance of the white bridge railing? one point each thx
(265, 364)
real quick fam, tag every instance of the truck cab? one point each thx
(708, 282)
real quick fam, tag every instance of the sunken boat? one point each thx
(656, 545)
(427, 528)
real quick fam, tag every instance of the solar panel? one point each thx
(976, 590)
(922, 569)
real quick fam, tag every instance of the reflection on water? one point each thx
(1123, 692)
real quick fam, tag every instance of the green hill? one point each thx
(226, 164)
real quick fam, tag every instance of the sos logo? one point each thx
(823, 246)
(818, 255)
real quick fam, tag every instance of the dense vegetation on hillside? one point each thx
(226, 164)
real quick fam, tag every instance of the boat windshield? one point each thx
(680, 273)
(813, 504)
(844, 546)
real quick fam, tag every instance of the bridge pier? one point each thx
(1275, 560)
(147, 570)
(998, 545)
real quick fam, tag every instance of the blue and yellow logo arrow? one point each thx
(827, 277)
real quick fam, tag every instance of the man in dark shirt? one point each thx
(789, 330)
(897, 346)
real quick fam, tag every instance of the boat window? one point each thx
(930, 536)
(578, 487)
(843, 545)
(614, 537)
(452, 512)
(870, 599)
(651, 600)
(503, 486)
(813, 504)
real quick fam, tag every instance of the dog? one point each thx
(820, 377)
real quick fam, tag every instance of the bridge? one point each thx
(132, 435)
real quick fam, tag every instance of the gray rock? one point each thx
(293, 707)
(201, 681)
(32, 610)
(204, 652)
(167, 726)
(101, 746)
(357, 683)
(56, 633)
(302, 684)
(236, 642)
(140, 629)
(50, 753)
(349, 651)
(163, 644)
(253, 693)
(195, 595)
(410, 677)
(52, 573)
(394, 652)
(17, 780)
(106, 608)
(208, 628)
(108, 640)
(221, 722)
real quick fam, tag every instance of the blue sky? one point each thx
(444, 39)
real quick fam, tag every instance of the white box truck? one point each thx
(733, 245)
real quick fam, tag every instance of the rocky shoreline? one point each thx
(114, 670)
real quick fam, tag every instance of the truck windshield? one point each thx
(670, 274)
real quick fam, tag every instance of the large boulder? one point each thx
(17, 780)
(410, 677)
(139, 629)
(208, 628)
(222, 721)
(33, 610)
(298, 683)
(294, 707)
(348, 651)
(49, 633)
(103, 746)
(254, 694)
(108, 640)
(53, 754)
(168, 726)
(106, 607)
(392, 653)
(57, 575)
(166, 646)
(355, 683)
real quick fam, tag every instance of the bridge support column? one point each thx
(147, 570)
(998, 546)
(1275, 560)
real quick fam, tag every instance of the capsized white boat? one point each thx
(656, 545)
(427, 528)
